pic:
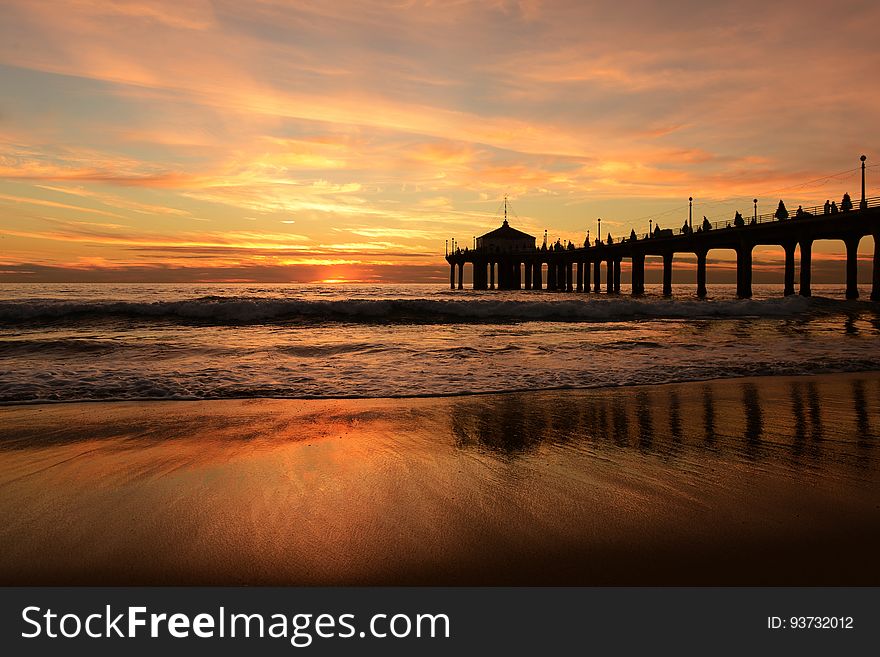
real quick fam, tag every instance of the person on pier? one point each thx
(610, 239)
(834, 209)
(800, 212)
(781, 212)
(738, 219)
(706, 224)
(827, 206)
(632, 235)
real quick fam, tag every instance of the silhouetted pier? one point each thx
(504, 259)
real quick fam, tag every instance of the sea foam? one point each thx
(233, 310)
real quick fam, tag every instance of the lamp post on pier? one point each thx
(691, 213)
(863, 204)
(650, 228)
(755, 215)
(599, 231)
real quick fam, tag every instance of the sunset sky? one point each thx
(307, 141)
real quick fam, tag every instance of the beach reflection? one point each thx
(755, 420)
(708, 415)
(860, 408)
(606, 486)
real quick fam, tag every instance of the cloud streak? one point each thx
(389, 127)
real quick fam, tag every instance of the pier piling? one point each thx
(667, 274)
(789, 268)
(852, 267)
(744, 271)
(701, 274)
(806, 265)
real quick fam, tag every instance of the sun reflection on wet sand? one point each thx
(736, 481)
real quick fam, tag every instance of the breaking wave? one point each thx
(243, 311)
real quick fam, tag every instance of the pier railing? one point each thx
(724, 224)
(812, 211)
(768, 217)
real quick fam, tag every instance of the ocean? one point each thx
(82, 342)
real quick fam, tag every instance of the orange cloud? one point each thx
(393, 127)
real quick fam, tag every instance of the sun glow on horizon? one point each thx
(273, 142)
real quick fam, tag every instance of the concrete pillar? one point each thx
(789, 268)
(587, 277)
(875, 279)
(667, 274)
(579, 283)
(551, 275)
(744, 271)
(609, 281)
(852, 267)
(638, 273)
(527, 272)
(806, 263)
(451, 275)
(617, 275)
(701, 274)
(461, 275)
(537, 277)
(491, 275)
(597, 276)
(569, 283)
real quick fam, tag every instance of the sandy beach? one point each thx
(731, 482)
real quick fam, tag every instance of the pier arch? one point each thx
(719, 265)
(775, 264)
(838, 259)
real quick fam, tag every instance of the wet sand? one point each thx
(744, 482)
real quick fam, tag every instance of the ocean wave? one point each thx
(13, 347)
(130, 387)
(242, 311)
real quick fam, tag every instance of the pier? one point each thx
(508, 259)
